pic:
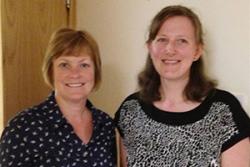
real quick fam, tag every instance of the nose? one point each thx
(170, 48)
(75, 72)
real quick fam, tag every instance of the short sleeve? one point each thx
(121, 112)
(241, 121)
(13, 146)
(116, 121)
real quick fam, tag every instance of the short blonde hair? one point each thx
(67, 41)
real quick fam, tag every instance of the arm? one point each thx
(123, 154)
(13, 149)
(237, 155)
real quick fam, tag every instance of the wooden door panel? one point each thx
(26, 28)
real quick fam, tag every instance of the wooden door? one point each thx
(26, 28)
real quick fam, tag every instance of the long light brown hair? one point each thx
(199, 84)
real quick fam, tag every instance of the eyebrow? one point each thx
(65, 59)
(178, 36)
(161, 35)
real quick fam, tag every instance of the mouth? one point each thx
(74, 85)
(170, 62)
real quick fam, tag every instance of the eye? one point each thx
(85, 65)
(163, 40)
(181, 41)
(63, 65)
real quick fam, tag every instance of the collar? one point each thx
(53, 114)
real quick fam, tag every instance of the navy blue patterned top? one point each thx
(195, 138)
(41, 137)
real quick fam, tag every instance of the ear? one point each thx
(150, 48)
(199, 52)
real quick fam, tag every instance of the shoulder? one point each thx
(21, 130)
(103, 115)
(223, 95)
(131, 103)
(132, 97)
(100, 116)
(34, 114)
(219, 97)
(234, 118)
(132, 100)
(26, 116)
(128, 105)
(98, 112)
(24, 120)
(29, 120)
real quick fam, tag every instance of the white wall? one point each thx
(120, 27)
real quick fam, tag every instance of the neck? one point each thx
(70, 109)
(173, 98)
(172, 90)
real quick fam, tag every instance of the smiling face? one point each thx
(74, 76)
(174, 49)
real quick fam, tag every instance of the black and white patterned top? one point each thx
(41, 137)
(196, 138)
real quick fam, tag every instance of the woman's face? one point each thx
(74, 76)
(175, 49)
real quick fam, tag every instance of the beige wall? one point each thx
(120, 27)
(1, 76)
